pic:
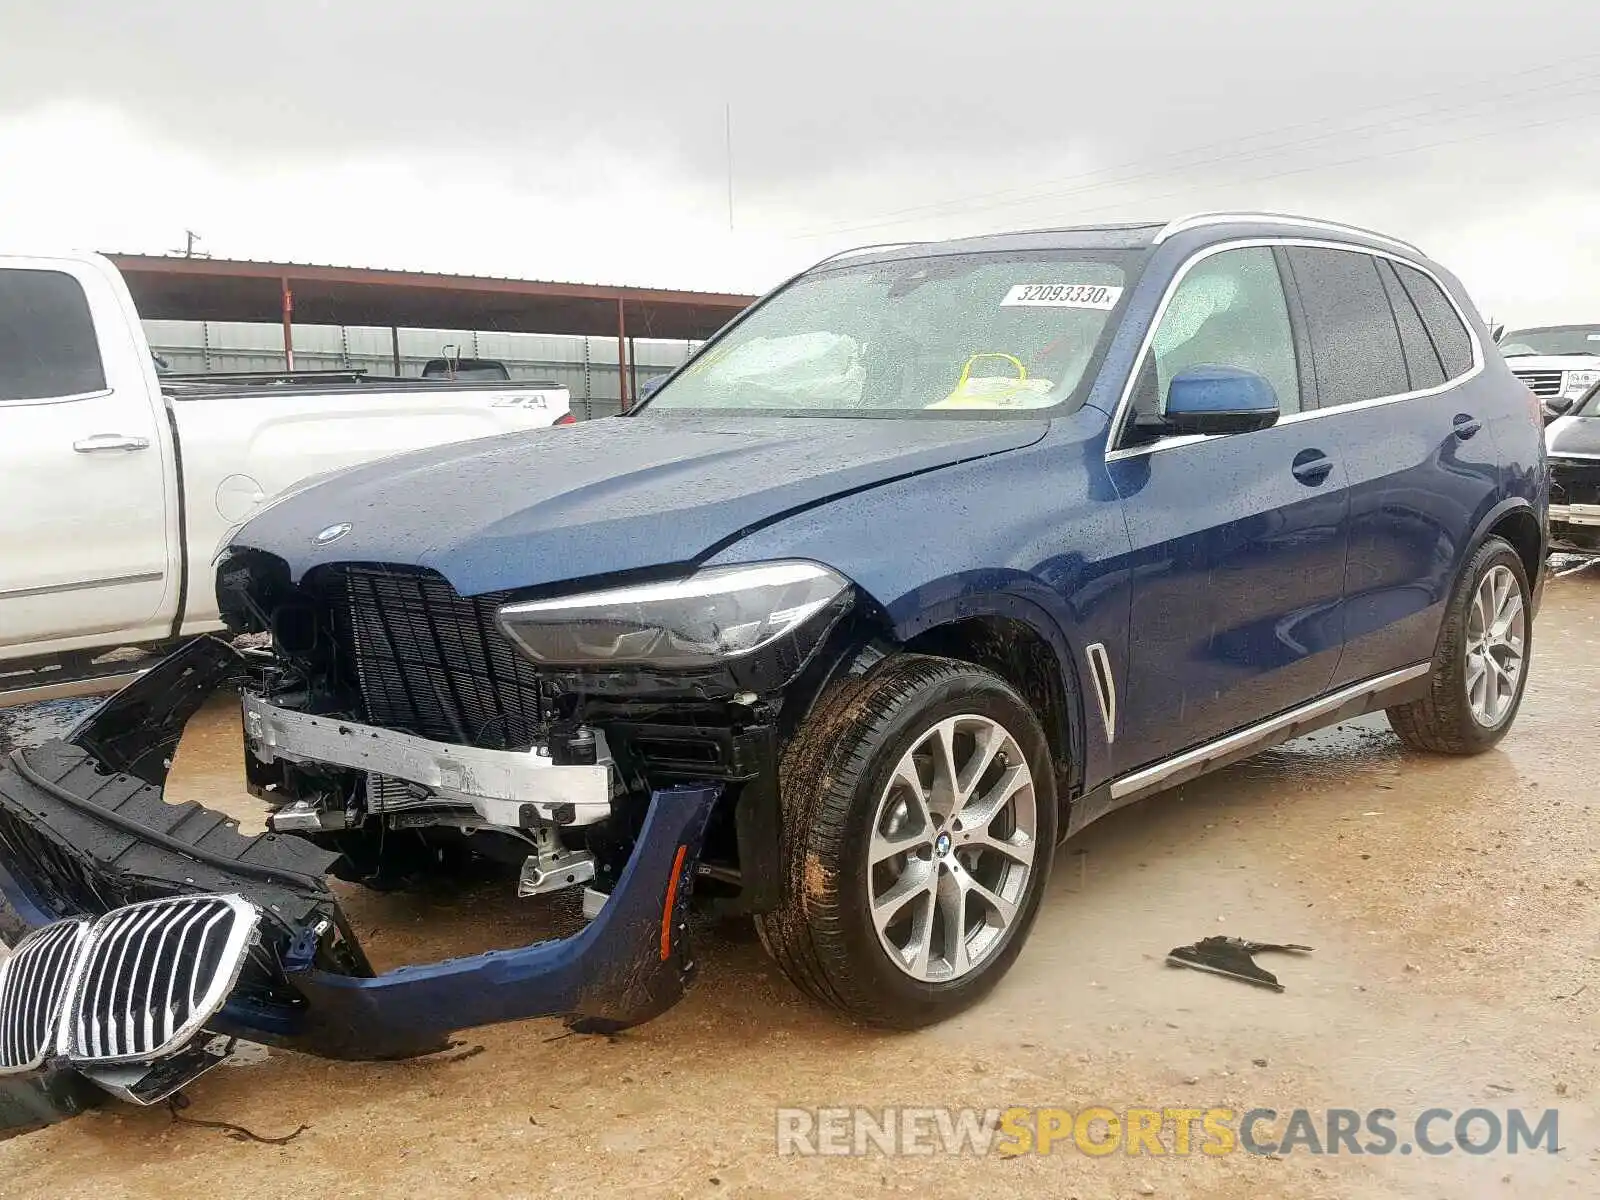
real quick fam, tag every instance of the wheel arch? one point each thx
(1020, 642)
(1517, 521)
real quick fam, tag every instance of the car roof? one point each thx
(1204, 227)
(1553, 328)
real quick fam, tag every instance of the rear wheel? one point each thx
(1480, 667)
(920, 817)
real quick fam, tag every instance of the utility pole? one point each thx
(191, 240)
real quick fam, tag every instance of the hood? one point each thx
(540, 507)
(1573, 437)
(1553, 362)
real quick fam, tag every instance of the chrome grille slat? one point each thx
(155, 973)
(34, 983)
(1541, 383)
(122, 937)
(191, 917)
(140, 1020)
(35, 971)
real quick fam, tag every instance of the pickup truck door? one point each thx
(1239, 540)
(86, 492)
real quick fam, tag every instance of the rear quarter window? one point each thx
(47, 342)
(1443, 323)
(1422, 357)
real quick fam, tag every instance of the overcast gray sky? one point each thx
(587, 141)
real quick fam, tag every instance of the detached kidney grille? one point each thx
(33, 986)
(154, 974)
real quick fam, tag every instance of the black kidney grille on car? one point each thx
(434, 663)
(1574, 481)
(1541, 383)
(155, 973)
(33, 986)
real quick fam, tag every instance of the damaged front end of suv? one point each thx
(618, 747)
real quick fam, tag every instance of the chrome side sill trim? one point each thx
(1151, 777)
(496, 783)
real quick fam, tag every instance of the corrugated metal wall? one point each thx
(586, 366)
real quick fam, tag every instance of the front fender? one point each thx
(1034, 534)
(947, 602)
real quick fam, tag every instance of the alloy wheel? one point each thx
(952, 849)
(1496, 639)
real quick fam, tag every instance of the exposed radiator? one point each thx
(433, 663)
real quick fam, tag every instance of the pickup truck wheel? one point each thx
(920, 818)
(1481, 666)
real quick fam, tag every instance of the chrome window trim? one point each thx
(1204, 219)
(1119, 415)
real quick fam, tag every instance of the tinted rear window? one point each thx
(1355, 344)
(1443, 322)
(47, 344)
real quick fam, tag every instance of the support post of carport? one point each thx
(394, 348)
(288, 330)
(622, 357)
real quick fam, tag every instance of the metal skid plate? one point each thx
(496, 783)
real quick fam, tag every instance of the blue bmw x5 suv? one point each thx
(934, 556)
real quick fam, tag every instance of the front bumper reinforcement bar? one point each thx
(80, 838)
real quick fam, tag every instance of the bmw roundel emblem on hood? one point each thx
(332, 533)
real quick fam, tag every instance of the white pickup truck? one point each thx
(1559, 363)
(116, 487)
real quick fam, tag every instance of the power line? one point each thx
(1124, 182)
(1049, 190)
(1364, 158)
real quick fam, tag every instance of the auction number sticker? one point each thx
(1062, 295)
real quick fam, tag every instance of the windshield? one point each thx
(965, 333)
(1568, 339)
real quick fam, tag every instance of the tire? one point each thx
(1449, 719)
(844, 800)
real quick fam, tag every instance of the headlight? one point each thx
(712, 616)
(1578, 382)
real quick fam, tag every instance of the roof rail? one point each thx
(865, 249)
(1200, 220)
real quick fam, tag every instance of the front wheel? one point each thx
(1481, 666)
(920, 817)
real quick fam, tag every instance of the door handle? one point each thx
(1312, 467)
(110, 441)
(1466, 425)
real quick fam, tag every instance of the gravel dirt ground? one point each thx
(1452, 904)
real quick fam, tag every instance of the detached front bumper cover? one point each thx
(80, 838)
